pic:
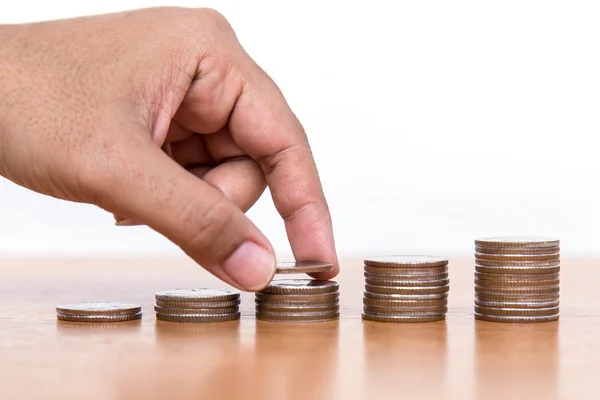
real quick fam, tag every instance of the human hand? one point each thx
(160, 117)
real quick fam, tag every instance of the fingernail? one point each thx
(127, 222)
(251, 266)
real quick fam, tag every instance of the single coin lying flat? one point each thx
(302, 267)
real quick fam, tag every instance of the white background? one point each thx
(432, 123)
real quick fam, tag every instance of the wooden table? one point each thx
(42, 358)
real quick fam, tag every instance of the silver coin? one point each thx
(519, 297)
(188, 311)
(406, 277)
(301, 286)
(302, 267)
(386, 282)
(298, 298)
(198, 318)
(517, 241)
(532, 290)
(389, 296)
(199, 294)
(98, 318)
(526, 270)
(513, 263)
(417, 272)
(98, 308)
(197, 304)
(407, 290)
(502, 251)
(517, 312)
(516, 277)
(517, 257)
(405, 304)
(302, 309)
(517, 304)
(514, 284)
(408, 312)
(496, 318)
(297, 317)
(403, 318)
(406, 261)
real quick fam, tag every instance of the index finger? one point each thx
(264, 126)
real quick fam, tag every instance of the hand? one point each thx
(160, 117)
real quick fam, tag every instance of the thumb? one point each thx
(151, 188)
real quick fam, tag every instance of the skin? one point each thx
(160, 117)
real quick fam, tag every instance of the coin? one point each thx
(402, 318)
(407, 290)
(402, 311)
(514, 283)
(516, 250)
(198, 318)
(529, 297)
(298, 298)
(406, 261)
(296, 309)
(516, 312)
(388, 296)
(98, 308)
(529, 270)
(518, 290)
(301, 286)
(201, 294)
(297, 317)
(406, 277)
(517, 257)
(302, 267)
(416, 272)
(98, 317)
(390, 304)
(197, 304)
(517, 241)
(496, 318)
(386, 282)
(516, 277)
(517, 304)
(512, 263)
(187, 311)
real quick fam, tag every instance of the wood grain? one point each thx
(42, 358)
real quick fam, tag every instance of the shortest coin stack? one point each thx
(406, 288)
(298, 300)
(517, 279)
(197, 305)
(98, 312)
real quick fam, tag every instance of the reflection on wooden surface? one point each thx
(347, 359)
(408, 356)
(514, 359)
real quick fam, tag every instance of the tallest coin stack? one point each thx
(517, 279)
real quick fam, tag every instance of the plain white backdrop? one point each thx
(432, 123)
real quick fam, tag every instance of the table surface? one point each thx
(42, 358)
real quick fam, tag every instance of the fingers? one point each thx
(240, 180)
(263, 126)
(208, 227)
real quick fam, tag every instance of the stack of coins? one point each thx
(98, 312)
(517, 279)
(197, 305)
(298, 300)
(406, 288)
